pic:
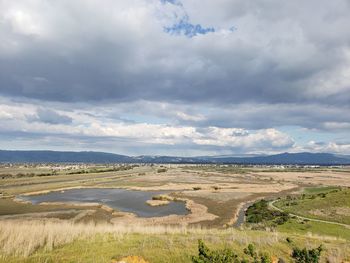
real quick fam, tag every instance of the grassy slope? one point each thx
(314, 228)
(328, 204)
(321, 189)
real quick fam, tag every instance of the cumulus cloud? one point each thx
(333, 147)
(88, 127)
(240, 138)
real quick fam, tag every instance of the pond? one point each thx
(119, 199)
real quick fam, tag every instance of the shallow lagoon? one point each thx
(119, 199)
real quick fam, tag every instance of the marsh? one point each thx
(119, 199)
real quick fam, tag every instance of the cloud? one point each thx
(153, 127)
(228, 76)
(89, 128)
(240, 138)
(123, 53)
(50, 116)
(245, 115)
(333, 147)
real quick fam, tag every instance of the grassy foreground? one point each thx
(38, 241)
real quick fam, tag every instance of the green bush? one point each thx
(205, 255)
(250, 251)
(307, 255)
(259, 212)
(227, 255)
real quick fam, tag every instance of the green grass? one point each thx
(321, 189)
(316, 228)
(320, 203)
(303, 204)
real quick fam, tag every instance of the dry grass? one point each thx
(23, 238)
(20, 239)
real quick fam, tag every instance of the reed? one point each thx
(24, 237)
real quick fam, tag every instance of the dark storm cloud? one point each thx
(281, 63)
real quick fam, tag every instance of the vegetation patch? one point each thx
(259, 212)
(104, 170)
(307, 255)
(306, 227)
(161, 170)
(162, 198)
(327, 203)
(228, 255)
(321, 189)
(157, 202)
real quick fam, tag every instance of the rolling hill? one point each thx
(304, 158)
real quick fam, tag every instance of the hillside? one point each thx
(102, 157)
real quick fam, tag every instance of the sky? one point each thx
(175, 77)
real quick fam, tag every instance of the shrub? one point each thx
(259, 212)
(307, 255)
(205, 255)
(265, 259)
(282, 218)
(250, 251)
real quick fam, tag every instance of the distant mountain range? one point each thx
(304, 158)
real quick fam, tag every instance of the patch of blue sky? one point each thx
(174, 2)
(233, 28)
(188, 29)
(182, 25)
